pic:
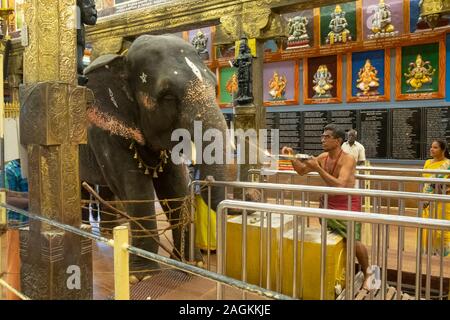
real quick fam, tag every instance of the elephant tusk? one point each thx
(193, 153)
(194, 69)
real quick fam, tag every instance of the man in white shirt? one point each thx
(354, 148)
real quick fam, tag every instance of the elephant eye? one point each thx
(169, 97)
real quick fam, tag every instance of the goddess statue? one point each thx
(277, 86)
(419, 73)
(232, 84)
(367, 80)
(322, 80)
(338, 26)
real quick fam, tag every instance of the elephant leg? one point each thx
(172, 183)
(138, 187)
(131, 185)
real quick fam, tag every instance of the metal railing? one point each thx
(366, 181)
(273, 173)
(377, 240)
(382, 220)
(401, 170)
(122, 248)
(394, 170)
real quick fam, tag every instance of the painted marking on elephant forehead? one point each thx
(111, 95)
(147, 101)
(194, 69)
(143, 77)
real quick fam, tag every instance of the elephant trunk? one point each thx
(202, 117)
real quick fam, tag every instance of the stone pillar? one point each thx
(55, 264)
(256, 21)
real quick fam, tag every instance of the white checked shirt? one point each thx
(356, 150)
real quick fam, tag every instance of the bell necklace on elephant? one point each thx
(163, 156)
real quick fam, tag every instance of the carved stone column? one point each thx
(55, 264)
(256, 21)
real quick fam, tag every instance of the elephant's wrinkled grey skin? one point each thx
(161, 84)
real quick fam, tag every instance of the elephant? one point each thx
(160, 84)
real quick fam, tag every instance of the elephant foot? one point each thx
(198, 259)
(85, 227)
(197, 263)
(137, 276)
(134, 279)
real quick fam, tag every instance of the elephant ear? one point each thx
(101, 61)
(114, 108)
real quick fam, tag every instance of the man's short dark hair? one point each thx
(337, 133)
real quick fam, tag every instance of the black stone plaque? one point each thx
(290, 130)
(406, 129)
(272, 122)
(313, 124)
(343, 119)
(289, 126)
(437, 126)
(373, 133)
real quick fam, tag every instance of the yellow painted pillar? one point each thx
(121, 266)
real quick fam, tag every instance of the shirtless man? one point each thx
(337, 169)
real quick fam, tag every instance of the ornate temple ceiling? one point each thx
(191, 13)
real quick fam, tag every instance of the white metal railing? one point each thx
(366, 181)
(305, 191)
(269, 173)
(382, 220)
(395, 170)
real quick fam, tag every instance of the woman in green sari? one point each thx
(440, 161)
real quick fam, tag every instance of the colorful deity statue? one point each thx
(277, 86)
(232, 85)
(200, 42)
(382, 22)
(298, 35)
(338, 25)
(367, 80)
(322, 80)
(419, 73)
